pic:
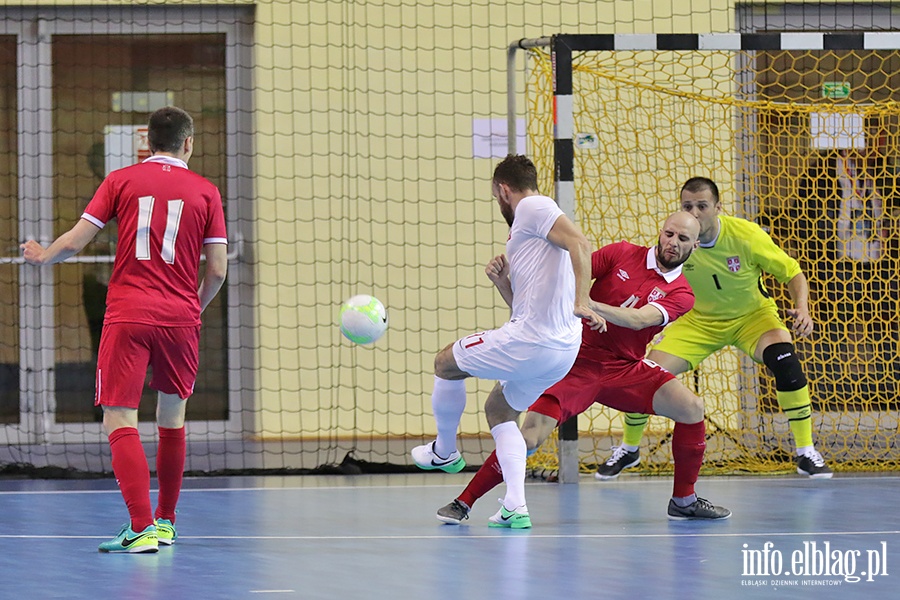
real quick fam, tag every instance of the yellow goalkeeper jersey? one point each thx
(727, 274)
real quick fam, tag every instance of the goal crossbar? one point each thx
(563, 46)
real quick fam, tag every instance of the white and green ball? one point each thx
(363, 319)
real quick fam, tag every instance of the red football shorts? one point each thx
(624, 385)
(127, 349)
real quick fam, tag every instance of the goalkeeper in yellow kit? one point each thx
(732, 308)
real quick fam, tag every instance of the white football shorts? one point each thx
(523, 369)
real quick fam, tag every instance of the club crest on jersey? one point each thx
(623, 275)
(734, 263)
(656, 294)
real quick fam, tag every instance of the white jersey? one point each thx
(543, 281)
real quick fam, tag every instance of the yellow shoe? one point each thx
(128, 541)
(165, 531)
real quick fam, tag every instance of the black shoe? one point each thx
(813, 465)
(453, 513)
(700, 509)
(620, 459)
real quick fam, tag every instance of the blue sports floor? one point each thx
(373, 537)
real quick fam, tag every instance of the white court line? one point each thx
(592, 483)
(499, 536)
(242, 489)
(54, 492)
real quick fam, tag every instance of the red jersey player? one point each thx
(638, 290)
(167, 215)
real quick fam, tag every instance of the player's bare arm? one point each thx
(497, 271)
(630, 318)
(798, 288)
(566, 235)
(214, 276)
(68, 244)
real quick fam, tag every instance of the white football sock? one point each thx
(686, 501)
(511, 450)
(448, 401)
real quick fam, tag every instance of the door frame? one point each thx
(35, 29)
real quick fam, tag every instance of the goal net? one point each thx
(801, 133)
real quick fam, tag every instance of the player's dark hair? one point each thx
(698, 184)
(168, 128)
(518, 172)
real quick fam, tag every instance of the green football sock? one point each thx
(797, 409)
(634, 428)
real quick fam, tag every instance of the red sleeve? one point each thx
(679, 301)
(215, 225)
(102, 205)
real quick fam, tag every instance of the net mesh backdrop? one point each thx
(801, 142)
(353, 143)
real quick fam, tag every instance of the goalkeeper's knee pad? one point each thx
(781, 358)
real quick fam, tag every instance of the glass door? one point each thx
(104, 88)
(78, 86)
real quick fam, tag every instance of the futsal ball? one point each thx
(363, 319)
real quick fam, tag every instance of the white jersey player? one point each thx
(545, 281)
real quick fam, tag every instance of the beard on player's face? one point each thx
(507, 212)
(502, 197)
(670, 263)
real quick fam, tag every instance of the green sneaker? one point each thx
(165, 531)
(513, 519)
(426, 458)
(131, 542)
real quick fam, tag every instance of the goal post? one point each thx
(782, 121)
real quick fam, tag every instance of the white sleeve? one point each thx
(540, 214)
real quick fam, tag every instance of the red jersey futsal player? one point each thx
(167, 215)
(638, 290)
